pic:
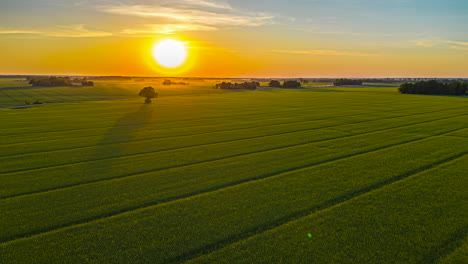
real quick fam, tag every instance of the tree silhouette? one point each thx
(274, 83)
(149, 93)
(291, 84)
(435, 88)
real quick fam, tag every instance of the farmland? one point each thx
(316, 175)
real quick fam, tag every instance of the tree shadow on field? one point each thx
(115, 142)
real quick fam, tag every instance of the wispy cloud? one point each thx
(439, 42)
(70, 31)
(13, 31)
(363, 34)
(428, 42)
(189, 16)
(168, 17)
(76, 31)
(458, 43)
(329, 53)
(203, 3)
(166, 29)
(459, 48)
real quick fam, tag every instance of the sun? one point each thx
(170, 53)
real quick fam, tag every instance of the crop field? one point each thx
(315, 175)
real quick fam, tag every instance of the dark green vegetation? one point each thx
(435, 88)
(286, 84)
(210, 176)
(53, 81)
(340, 82)
(236, 86)
(149, 93)
(170, 82)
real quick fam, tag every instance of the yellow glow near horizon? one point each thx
(170, 53)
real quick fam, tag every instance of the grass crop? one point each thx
(418, 219)
(204, 175)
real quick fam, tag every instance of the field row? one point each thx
(405, 222)
(162, 232)
(19, 155)
(41, 173)
(123, 132)
(152, 115)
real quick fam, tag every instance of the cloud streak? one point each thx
(166, 29)
(70, 31)
(459, 48)
(209, 4)
(187, 15)
(458, 43)
(13, 31)
(328, 53)
(76, 31)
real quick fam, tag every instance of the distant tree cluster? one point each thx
(50, 81)
(275, 84)
(85, 82)
(386, 80)
(53, 81)
(435, 88)
(234, 86)
(286, 84)
(340, 82)
(169, 82)
(291, 84)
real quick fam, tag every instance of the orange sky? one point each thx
(236, 38)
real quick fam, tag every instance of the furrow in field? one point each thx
(448, 246)
(7, 95)
(193, 131)
(219, 116)
(126, 124)
(415, 219)
(25, 95)
(36, 129)
(462, 133)
(97, 171)
(20, 98)
(158, 187)
(219, 245)
(95, 117)
(160, 122)
(91, 132)
(19, 149)
(45, 95)
(162, 233)
(70, 156)
(459, 253)
(170, 131)
(37, 95)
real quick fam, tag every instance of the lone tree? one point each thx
(149, 93)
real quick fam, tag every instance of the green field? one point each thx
(314, 175)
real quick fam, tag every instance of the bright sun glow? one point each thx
(170, 53)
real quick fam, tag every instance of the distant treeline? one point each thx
(169, 82)
(286, 84)
(339, 82)
(234, 86)
(380, 80)
(435, 88)
(53, 81)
